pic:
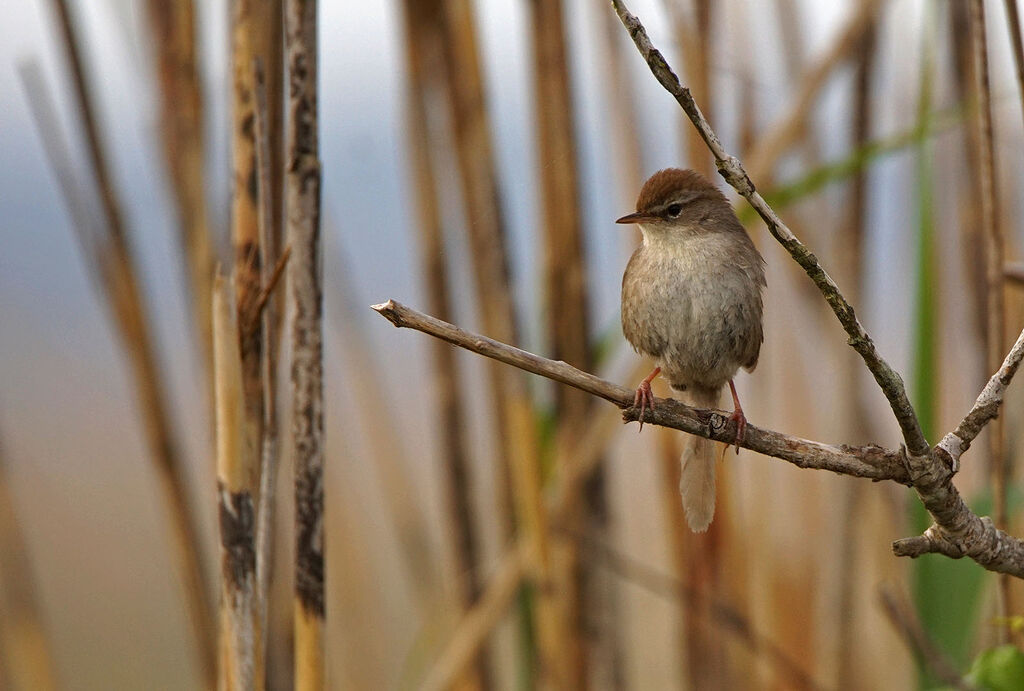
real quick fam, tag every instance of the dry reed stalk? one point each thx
(517, 433)
(237, 484)
(694, 38)
(992, 237)
(792, 125)
(114, 263)
(181, 117)
(25, 658)
(1016, 43)
(485, 224)
(302, 201)
(270, 322)
(852, 249)
(423, 56)
(565, 295)
(972, 245)
(247, 30)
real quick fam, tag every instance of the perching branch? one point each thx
(733, 172)
(957, 531)
(871, 462)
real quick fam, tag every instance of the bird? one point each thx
(692, 301)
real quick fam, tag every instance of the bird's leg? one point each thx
(738, 416)
(644, 398)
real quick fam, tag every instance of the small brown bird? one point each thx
(691, 299)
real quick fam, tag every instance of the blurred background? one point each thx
(475, 155)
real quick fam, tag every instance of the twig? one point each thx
(733, 172)
(903, 618)
(304, 271)
(986, 407)
(865, 461)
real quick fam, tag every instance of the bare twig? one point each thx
(958, 532)
(986, 407)
(733, 172)
(304, 273)
(903, 618)
(864, 461)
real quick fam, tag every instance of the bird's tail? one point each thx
(697, 477)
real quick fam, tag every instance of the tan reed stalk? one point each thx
(181, 125)
(693, 35)
(302, 200)
(513, 410)
(791, 126)
(269, 437)
(992, 236)
(236, 502)
(565, 306)
(247, 29)
(25, 658)
(969, 224)
(423, 55)
(485, 223)
(852, 249)
(115, 263)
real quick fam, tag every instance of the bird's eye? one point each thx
(674, 210)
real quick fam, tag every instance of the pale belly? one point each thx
(700, 320)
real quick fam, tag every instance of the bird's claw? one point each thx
(645, 399)
(741, 426)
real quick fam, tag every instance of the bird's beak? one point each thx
(638, 217)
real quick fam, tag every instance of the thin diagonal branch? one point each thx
(986, 407)
(733, 172)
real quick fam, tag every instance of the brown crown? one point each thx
(661, 187)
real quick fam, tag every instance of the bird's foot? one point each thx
(741, 426)
(738, 417)
(644, 397)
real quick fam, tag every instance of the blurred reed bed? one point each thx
(555, 554)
